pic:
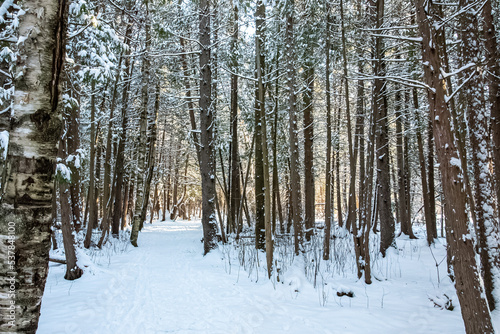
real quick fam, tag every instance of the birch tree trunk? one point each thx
(25, 209)
(143, 125)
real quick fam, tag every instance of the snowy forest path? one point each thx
(166, 285)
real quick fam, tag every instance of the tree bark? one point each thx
(207, 158)
(387, 229)
(492, 76)
(120, 151)
(72, 270)
(328, 172)
(351, 208)
(474, 307)
(309, 191)
(235, 191)
(295, 195)
(260, 16)
(25, 209)
(92, 223)
(486, 222)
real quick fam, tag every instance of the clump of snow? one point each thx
(4, 144)
(455, 162)
(63, 172)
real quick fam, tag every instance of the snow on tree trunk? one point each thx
(486, 224)
(470, 293)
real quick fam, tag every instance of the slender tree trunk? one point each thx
(73, 140)
(293, 129)
(260, 224)
(143, 126)
(126, 196)
(260, 16)
(173, 212)
(72, 270)
(387, 229)
(97, 178)
(328, 169)
(430, 229)
(351, 208)
(336, 162)
(120, 151)
(401, 151)
(92, 223)
(109, 139)
(235, 191)
(309, 191)
(207, 158)
(276, 205)
(151, 143)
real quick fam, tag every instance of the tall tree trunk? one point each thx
(72, 270)
(97, 177)
(173, 212)
(126, 197)
(235, 191)
(25, 211)
(336, 163)
(309, 191)
(276, 203)
(474, 307)
(293, 129)
(402, 168)
(73, 140)
(493, 75)
(120, 151)
(362, 234)
(109, 139)
(260, 16)
(328, 171)
(430, 228)
(260, 224)
(351, 208)
(486, 224)
(143, 126)
(92, 202)
(151, 143)
(207, 158)
(387, 228)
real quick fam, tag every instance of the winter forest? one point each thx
(235, 166)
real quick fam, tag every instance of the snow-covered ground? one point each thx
(167, 286)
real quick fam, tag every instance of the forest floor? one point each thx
(167, 286)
